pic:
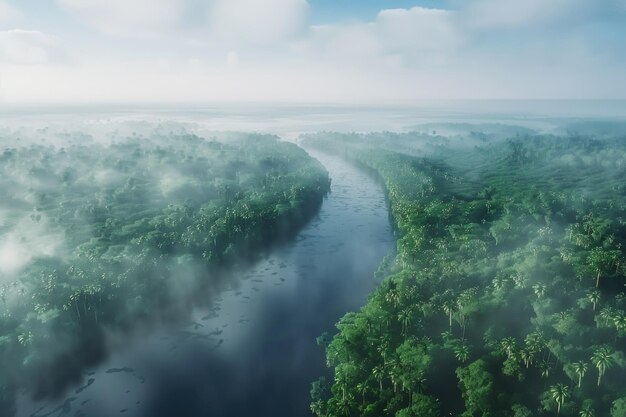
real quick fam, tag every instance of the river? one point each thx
(254, 351)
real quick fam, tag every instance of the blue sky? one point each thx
(354, 51)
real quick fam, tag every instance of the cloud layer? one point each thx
(204, 50)
(235, 21)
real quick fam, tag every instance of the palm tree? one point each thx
(619, 320)
(602, 359)
(544, 368)
(383, 347)
(534, 342)
(394, 374)
(560, 394)
(539, 289)
(586, 412)
(420, 383)
(344, 406)
(341, 379)
(362, 388)
(593, 297)
(393, 297)
(606, 315)
(580, 368)
(379, 372)
(508, 345)
(462, 352)
(317, 408)
(449, 308)
(404, 317)
(499, 282)
(527, 356)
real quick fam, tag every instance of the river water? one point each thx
(254, 351)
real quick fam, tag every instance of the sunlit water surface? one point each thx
(254, 352)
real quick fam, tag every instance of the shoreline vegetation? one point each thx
(141, 228)
(506, 297)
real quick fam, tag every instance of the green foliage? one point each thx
(510, 269)
(476, 385)
(619, 407)
(115, 233)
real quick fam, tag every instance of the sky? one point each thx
(326, 51)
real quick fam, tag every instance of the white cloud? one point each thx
(502, 14)
(352, 43)
(233, 21)
(409, 37)
(256, 22)
(418, 28)
(255, 50)
(141, 18)
(29, 47)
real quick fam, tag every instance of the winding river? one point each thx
(254, 351)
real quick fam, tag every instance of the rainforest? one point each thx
(506, 297)
(470, 269)
(312, 208)
(99, 237)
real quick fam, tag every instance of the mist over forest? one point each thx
(505, 294)
(313, 208)
(102, 234)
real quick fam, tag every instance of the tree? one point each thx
(594, 298)
(528, 356)
(449, 307)
(394, 374)
(383, 347)
(424, 406)
(586, 412)
(362, 389)
(343, 406)
(319, 389)
(462, 352)
(508, 345)
(618, 409)
(606, 316)
(580, 368)
(343, 375)
(521, 411)
(559, 393)
(540, 290)
(601, 261)
(404, 317)
(379, 372)
(602, 359)
(413, 362)
(317, 408)
(619, 321)
(393, 297)
(476, 385)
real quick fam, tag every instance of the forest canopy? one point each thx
(96, 236)
(507, 294)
